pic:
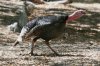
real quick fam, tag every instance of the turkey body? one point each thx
(47, 27)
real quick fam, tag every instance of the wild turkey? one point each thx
(47, 28)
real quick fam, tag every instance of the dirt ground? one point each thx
(74, 51)
(72, 54)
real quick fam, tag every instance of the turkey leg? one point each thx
(47, 43)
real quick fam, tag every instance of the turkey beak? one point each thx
(83, 12)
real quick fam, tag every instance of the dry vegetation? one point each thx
(80, 45)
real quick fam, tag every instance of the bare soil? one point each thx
(74, 50)
(72, 54)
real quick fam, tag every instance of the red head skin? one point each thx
(77, 14)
